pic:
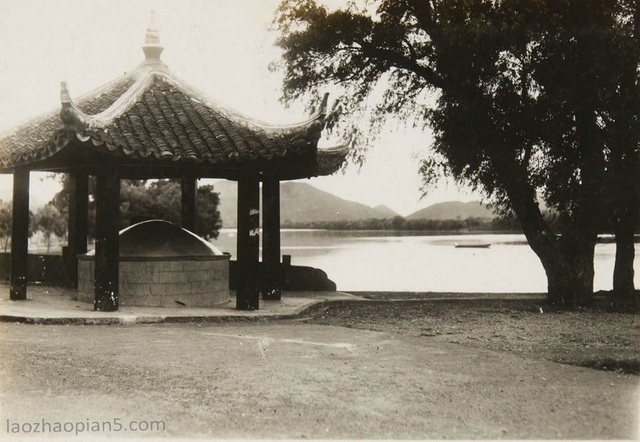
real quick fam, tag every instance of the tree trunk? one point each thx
(625, 162)
(567, 259)
(570, 272)
(623, 273)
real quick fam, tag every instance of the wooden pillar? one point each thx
(78, 223)
(248, 246)
(19, 235)
(272, 277)
(107, 246)
(189, 186)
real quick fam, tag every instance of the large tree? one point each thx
(623, 140)
(516, 92)
(589, 73)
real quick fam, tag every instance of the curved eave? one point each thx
(330, 160)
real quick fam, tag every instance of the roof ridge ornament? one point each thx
(73, 118)
(152, 47)
(78, 121)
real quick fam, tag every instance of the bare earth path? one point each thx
(299, 380)
(601, 336)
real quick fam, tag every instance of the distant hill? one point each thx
(301, 202)
(453, 210)
(385, 212)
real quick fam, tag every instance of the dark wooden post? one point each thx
(272, 277)
(19, 235)
(189, 186)
(78, 219)
(248, 279)
(107, 246)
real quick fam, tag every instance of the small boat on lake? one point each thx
(473, 245)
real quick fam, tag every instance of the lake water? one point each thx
(381, 261)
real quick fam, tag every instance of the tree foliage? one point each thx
(208, 219)
(49, 221)
(151, 199)
(161, 199)
(527, 99)
(5, 223)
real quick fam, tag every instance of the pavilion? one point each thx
(149, 124)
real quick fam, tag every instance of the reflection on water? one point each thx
(387, 261)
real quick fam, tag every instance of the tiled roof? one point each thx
(151, 116)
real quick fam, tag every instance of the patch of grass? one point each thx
(627, 366)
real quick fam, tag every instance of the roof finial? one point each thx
(152, 47)
(65, 97)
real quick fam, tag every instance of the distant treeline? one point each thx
(399, 223)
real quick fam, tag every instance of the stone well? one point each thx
(163, 265)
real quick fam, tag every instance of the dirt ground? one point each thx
(600, 337)
(401, 370)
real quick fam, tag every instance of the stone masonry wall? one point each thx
(170, 283)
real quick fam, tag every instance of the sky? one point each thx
(221, 47)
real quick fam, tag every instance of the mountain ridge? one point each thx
(303, 203)
(448, 210)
